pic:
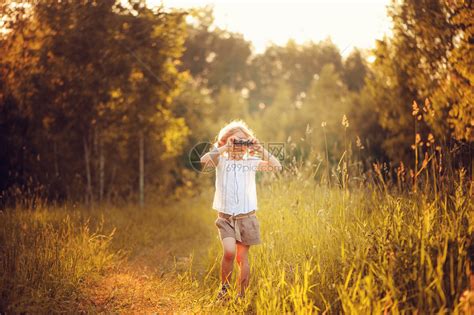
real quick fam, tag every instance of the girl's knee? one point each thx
(242, 259)
(229, 254)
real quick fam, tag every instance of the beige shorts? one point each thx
(249, 229)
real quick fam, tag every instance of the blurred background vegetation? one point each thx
(103, 100)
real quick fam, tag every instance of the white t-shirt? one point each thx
(235, 185)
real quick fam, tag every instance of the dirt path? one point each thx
(131, 287)
(146, 284)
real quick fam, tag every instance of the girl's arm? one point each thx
(211, 159)
(269, 162)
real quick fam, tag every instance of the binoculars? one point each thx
(243, 142)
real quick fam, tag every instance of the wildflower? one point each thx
(425, 161)
(416, 109)
(345, 122)
(359, 143)
(431, 138)
(417, 138)
(467, 301)
(427, 108)
(402, 166)
(377, 168)
(323, 124)
(401, 170)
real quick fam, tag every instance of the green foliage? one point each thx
(281, 110)
(455, 93)
(296, 64)
(216, 57)
(428, 56)
(326, 102)
(392, 98)
(355, 71)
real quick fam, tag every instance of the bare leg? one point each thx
(228, 244)
(243, 262)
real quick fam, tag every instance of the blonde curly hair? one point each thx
(231, 128)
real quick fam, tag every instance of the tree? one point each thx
(326, 102)
(429, 56)
(100, 79)
(392, 98)
(215, 57)
(355, 71)
(297, 64)
(275, 122)
(454, 95)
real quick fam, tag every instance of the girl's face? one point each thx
(239, 135)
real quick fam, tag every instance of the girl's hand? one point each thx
(256, 147)
(230, 143)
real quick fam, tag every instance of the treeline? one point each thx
(103, 100)
(86, 85)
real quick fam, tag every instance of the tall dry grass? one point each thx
(335, 239)
(364, 252)
(45, 255)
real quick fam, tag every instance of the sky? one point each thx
(349, 23)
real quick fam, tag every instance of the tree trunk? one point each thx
(89, 197)
(111, 185)
(101, 168)
(56, 167)
(95, 162)
(141, 162)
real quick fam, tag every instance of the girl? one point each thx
(235, 198)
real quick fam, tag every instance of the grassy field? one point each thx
(370, 249)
